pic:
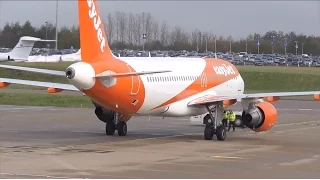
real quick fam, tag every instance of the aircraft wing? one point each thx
(36, 70)
(6, 81)
(274, 95)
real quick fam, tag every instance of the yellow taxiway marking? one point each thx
(227, 157)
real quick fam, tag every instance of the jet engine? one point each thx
(102, 113)
(260, 118)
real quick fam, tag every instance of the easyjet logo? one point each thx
(96, 23)
(224, 70)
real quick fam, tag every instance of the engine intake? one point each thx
(261, 118)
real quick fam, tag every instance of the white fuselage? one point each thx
(160, 88)
(160, 94)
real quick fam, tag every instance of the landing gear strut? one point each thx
(116, 124)
(212, 128)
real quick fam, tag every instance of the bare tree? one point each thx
(131, 22)
(110, 28)
(155, 30)
(122, 26)
(118, 17)
(164, 33)
(148, 25)
(137, 29)
(194, 38)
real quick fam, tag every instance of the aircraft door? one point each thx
(135, 83)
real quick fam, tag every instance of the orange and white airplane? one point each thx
(122, 87)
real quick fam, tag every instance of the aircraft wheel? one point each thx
(208, 133)
(122, 128)
(110, 128)
(207, 120)
(221, 133)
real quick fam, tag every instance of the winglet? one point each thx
(93, 40)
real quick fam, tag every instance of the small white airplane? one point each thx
(122, 87)
(22, 50)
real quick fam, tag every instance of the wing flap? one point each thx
(52, 87)
(269, 96)
(35, 70)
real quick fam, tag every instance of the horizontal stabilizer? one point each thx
(35, 70)
(39, 84)
(111, 74)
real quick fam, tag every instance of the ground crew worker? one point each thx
(225, 118)
(232, 119)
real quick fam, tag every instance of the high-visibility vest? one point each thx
(232, 117)
(225, 115)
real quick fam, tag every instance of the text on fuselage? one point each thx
(224, 70)
(96, 23)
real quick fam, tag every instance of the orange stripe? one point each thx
(213, 79)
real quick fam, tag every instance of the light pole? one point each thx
(144, 36)
(230, 43)
(285, 46)
(198, 43)
(296, 47)
(272, 42)
(0, 16)
(206, 44)
(46, 33)
(247, 46)
(258, 45)
(215, 46)
(302, 48)
(56, 46)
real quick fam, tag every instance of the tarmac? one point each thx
(49, 142)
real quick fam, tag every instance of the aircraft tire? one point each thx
(110, 129)
(122, 128)
(208, 133)
(221, 133)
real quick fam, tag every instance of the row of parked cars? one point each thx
(276, 60)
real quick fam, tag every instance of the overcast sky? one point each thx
(235, 18)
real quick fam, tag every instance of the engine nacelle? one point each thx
(102, 113)
(261, 118)
(107, 115)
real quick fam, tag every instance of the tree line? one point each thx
(143, 31)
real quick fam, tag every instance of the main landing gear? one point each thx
(212, 128)
(116, 124)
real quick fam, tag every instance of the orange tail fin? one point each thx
(93, 40)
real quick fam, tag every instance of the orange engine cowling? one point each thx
(261, 118)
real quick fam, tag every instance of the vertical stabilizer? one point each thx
(93, 40)
(23, 49)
